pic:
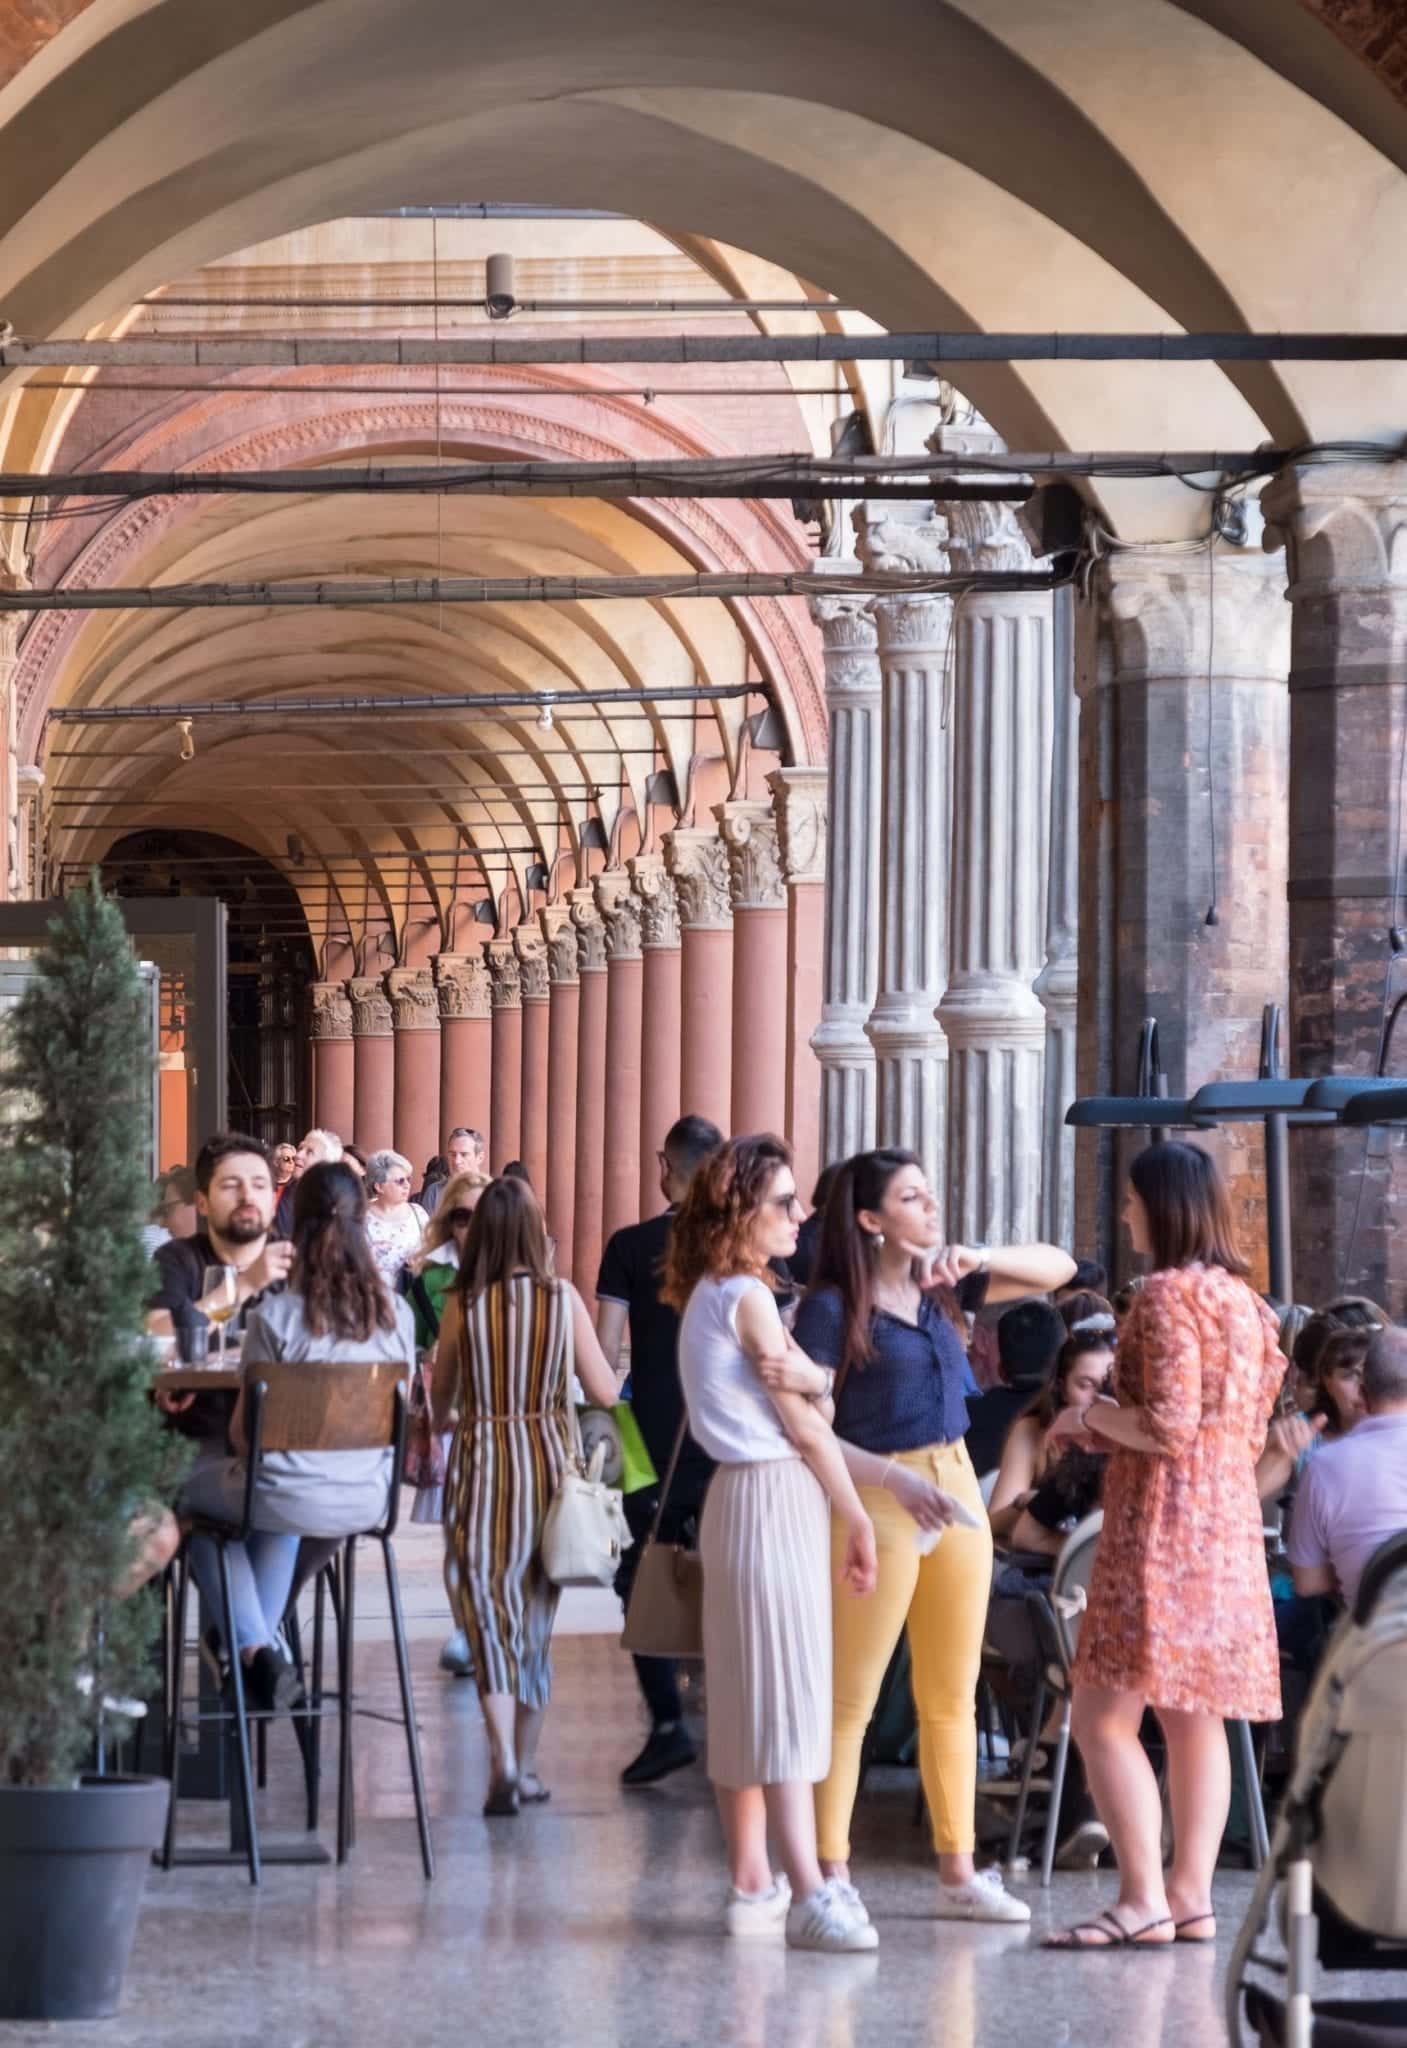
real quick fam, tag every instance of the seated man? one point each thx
(1353, 1493)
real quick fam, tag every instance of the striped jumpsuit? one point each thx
(507, 1459)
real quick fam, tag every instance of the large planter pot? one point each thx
(72, 1867)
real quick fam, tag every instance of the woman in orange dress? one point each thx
(1179, 1616)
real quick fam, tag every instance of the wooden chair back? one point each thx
(318, 1405)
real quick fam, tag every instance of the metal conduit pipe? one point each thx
(427, 707)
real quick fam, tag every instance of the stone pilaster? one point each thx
(1344, 527)
(799, 798)
(1183, 765)
(911, 1052)
(1058, 984)
(990, 1013)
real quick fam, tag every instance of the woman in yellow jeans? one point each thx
(884, 1316)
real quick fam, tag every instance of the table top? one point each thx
(198, 1379)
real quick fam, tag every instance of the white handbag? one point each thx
(584, 1533)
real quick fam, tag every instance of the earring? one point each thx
(878, 1240)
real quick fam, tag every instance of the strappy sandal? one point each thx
(532, 1791)
(503, 1798)
(1195, 1940)
(1114, 1933)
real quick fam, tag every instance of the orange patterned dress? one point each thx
(1179, 1603)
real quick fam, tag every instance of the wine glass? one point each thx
(219, 1298)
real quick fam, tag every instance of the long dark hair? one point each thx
(1341, 1348)
(1189, 1211)
(712, 1232)
(506, 1237)
(1051, 1398)
(333, 1269)
(845, 1256)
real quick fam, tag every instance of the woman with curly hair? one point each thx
(765, 1545)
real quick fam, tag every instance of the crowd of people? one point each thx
(865, 1432)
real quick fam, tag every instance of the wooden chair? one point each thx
(309, 1405)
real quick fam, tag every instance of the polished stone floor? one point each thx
(593, 1919)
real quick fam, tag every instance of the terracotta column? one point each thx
(1058, 984)
(620, 1179)
(851, 953)
(698, 862)
(466, 1043)
(564, 1019)
(334, 1062)
(1183, 803)
(659, 1051)
(373, 1065)
(799, 798)
(506, 1096)
(1345, 528)
(911, 1053)
(590, 1090)
(415, 1014)
(532, 975)
(759, 1093)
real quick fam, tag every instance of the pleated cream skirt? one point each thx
(765, 1545)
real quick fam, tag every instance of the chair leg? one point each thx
(177, 1669)
(313, 1759)
(1057, 1791)
(242, 1757)
(261, 1751)
(412, 1732)
(1255, 1798)
(1028, 1771)
(344, 1713)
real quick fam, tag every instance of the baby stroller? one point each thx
(1339, 1848)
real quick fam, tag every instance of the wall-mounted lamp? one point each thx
(187, 731)
(499, 298)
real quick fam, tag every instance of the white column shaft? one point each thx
(1058, 984)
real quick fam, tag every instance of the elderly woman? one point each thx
(395, 1226)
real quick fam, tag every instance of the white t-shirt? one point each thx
(731, 1415)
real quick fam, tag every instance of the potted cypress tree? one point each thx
(82, 1454)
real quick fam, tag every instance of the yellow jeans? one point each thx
(942, 1600)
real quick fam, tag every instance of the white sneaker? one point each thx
(851, 1897)
(749, 1914)
(983, 1897)
(829, 1922)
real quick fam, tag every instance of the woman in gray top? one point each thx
(334, 1308)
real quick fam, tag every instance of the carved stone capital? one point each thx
(563, 947)
(590, 931)
(505, 975)
(800, 802)
(414, 1003)
(462, 985)
(849, 642)
(620, 913)
(698, 861)
(532, 962)
(894, 546)
(611, 887)
(659, 903)
(331, 1015)
(1171, 618)
(1343, 526)
(749, 831)
(986, 536)
(371, 1008)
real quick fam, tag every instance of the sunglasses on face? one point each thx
(460, 1219)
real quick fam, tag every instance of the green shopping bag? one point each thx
(627, 1461)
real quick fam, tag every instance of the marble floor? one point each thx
(593, 1920)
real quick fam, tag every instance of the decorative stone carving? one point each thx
(532, 962)
(563, 949)
(659, 903)
(371, 1008)
(800, 799)
(331, 1015)
(891, 546)
(505, 975)
(462, 985)
(981, 535)
(749, 831)
(622, 922)
(414, 1003)
(1343, 526)
(1171, 618)
(698, 861)
(590, 931)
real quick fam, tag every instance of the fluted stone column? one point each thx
(506, 1097)
(415, 1015)
(564, 1023)
(759, 1093)
(698, 862)
(663, 994)
(532, 964)
(799, 803)
(1345, 529)
(1003, 708)
(851, 953)
(1058, 983)
(911, 1053)
(16, 868)
(620, 1179)
(373, 1064)
(466, 1043)
(29, 795)
(1173, 770)
(334, 1070)
(590, 1088)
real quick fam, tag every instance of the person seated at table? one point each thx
(335, 1308)
(1080, 1374)
(1086, 1312)
(1029, 1337)
(1333, 1407)
(173, 1210)
(1353, 1494)
(1348, 1312)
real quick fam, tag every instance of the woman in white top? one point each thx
(395, 1226)
(765, 1545)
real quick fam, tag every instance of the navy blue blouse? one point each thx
(912, 1391)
